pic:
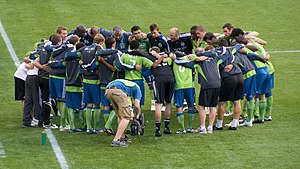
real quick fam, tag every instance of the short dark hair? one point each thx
(241, 40)
(208, 36)
(153, 26)
(134, 44)
(155, 49)
(109, 42)
(222, 43)
(55, 39)
(94, 31)
(79, 45)
(193, 29)
(237, 32)
(80, 29)
(135, 28)
(74, 39)
(228, 25)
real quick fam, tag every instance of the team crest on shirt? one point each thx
(159, 45)
(182, 44)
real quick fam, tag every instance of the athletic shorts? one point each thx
(271, 81)
(232, 88)
(121, 103)
(104, 100)
(262, 80)
(74, 100)
(19, 89)
(250, 86)
(57, 88)
(163, 89)
(209, 97)
(187, 94)
(140, 83)
(91, 93)
(147, 74)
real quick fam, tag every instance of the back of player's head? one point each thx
(80, 30)
(228, 25)
(117, 30)
(94, 31)
(241, 40)
(209, 48)
(199, 50)
(201, 28)
(237, 32)
(109, 42)
(134, 44)
(208, 36)
(222, 43)
(153, 26)
(193, 29)
(79, 45)
(60, 28)
(135, 28)
(99, 38)
(74, 39)
(55, 39)
(155, 49)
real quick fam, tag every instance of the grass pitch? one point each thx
(271, 145)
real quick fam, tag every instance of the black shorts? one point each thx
(19, 89)
(209, 97)
(163, 89)
(232, 88)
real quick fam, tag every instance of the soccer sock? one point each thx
(66, 117)
(219, 123)
(88, 117)
(180, 118)
(96, 116)
(244, 107)
(112, 116)
(190, 118)
(61, 108)
(71, 118)
(256, 107)
(157, 125)
(82, 118)
(106, 115)
(269, 106)
(250, 108)
(167, 123)
(262, 109)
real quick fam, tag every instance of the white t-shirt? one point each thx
(21, 72)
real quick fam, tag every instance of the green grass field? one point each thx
(271, 145)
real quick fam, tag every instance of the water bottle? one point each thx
(44, 137)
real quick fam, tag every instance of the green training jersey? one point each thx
(135, 60)
(183, 76)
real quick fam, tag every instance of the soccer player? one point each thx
(91, 85)
(80, 31)
(73, 82)
(156, 38)
(42, 56)
(184, 90)
(88, 39)
(200, 32)
(19, 78)
(180, 42)
(121, 37)
(120, 92)
(57, 75)
(231, 87)
(62, 32)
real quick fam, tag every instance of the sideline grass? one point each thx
(272, 145)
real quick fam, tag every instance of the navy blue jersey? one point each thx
(183, 44)
(161, 42)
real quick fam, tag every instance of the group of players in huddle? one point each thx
(75, 68)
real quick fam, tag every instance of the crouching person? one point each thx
(120, 92)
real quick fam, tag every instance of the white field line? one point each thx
(285, 51)
(9, 46)
(2, 152)
(58, 153)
